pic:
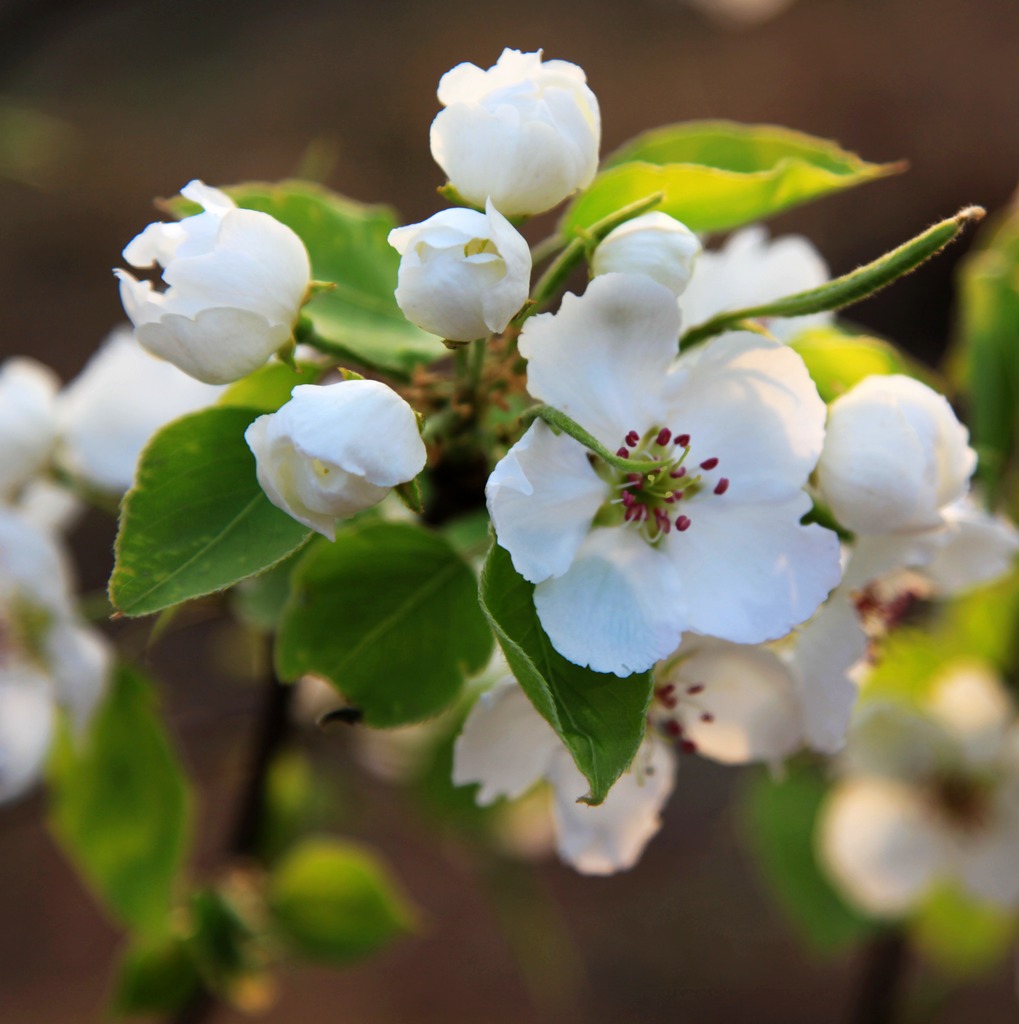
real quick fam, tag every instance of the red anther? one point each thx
(707, 717)
(623, 453)
(678, 474)
(664, 691)
(695, 689)
(628, 499)
(662, 520)
(709, 463)
(673, 728)
(634, 478)
(664, 436)
(682, 523)
(688, 746)
(683, 440)
(632, 438)
(722, 486)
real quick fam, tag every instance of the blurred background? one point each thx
(130, 100)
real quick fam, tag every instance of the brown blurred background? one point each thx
(153, 94)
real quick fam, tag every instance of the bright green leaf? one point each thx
(779, 822)
(154, 977)
(600, 717)
(333, 901)
(196, 520)
(269, 387)
(120, 806)
(389, 613)
(717, 175)
(348, 245)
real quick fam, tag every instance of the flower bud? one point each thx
(654, 244)
(28, 423)
(462, 273)
(236, 280)
(894, 456)
(334, 450)
(524, 132)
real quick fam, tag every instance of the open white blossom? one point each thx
(711, 542)
(654, 244)
(507, 747)
(334, 450)
(929, 795)
(236, 280)
(117, 402)
(524, 132)
(462, 273)
(750, 270)
(28, 421)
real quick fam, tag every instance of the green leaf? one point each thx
(779, 820)
(334, 901)
(269, 386)
(961, 935)
(843, 291)
(196, 520)
(120, 806)
(347, 243)
(260, 600)
(986, 359)
(717, 175)
(600, 717)
(154, 977)
(838, 360)
(389, 614)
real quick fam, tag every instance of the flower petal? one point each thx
(974, 548)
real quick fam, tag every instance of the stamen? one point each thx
(707, 718)
(634, 478)
(662, 520)
(623, 453)
(673, 728)
(709, 463)
(722, 486)
(664, 436)
(683, 440)
(695, 689)
(688, 746)
(632, 438)
(678, 474)
(682, 523)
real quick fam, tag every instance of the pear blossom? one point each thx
(28, 421)
(654, 244)
(462, 274)
(749, 270)
(711, 542)
(117, 402)
(236, 280)
(334, 450)
(524, 132)
(507, 747)
(929, 795)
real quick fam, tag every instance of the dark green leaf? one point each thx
(600, 717)
(154, 977)
(779, 819)
(334, 901)
(717, 175)
(120, 806)
(269, 387)
(389, 614)
(196, 520)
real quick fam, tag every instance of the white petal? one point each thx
(206, 196)
(619, 608)
(33, 565)
(80, 659)
(989, 859)
(602, 358)
(974, 548)
(505, 744)
(752, 572)
(542, 497)
(28, 424)
(881, 845)
(612, 836)
(27, 720)
(969, 701)
(654, 244)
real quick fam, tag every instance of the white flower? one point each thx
(117, 402)
(748, 271)
(710, 543)
(508, 747)
(27, 720)
(524, 132)
(894, 456)
(28, 423)
(654, 244)
(335, 450)
(236, 280)
(930, 796)
(462, 273)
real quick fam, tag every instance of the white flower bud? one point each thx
(462, 273)
(894, 456)
(28, 423)
(236, 280)
(111, 409)
(524, 132)
(654, 244)
(335, 450)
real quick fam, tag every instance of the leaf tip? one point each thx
(970, 215)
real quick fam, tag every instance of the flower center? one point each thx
(657, 502)
(675, 702)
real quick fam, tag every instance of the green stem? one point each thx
(479, 349)
(563, 424)
(547, 248)
(844, 291)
